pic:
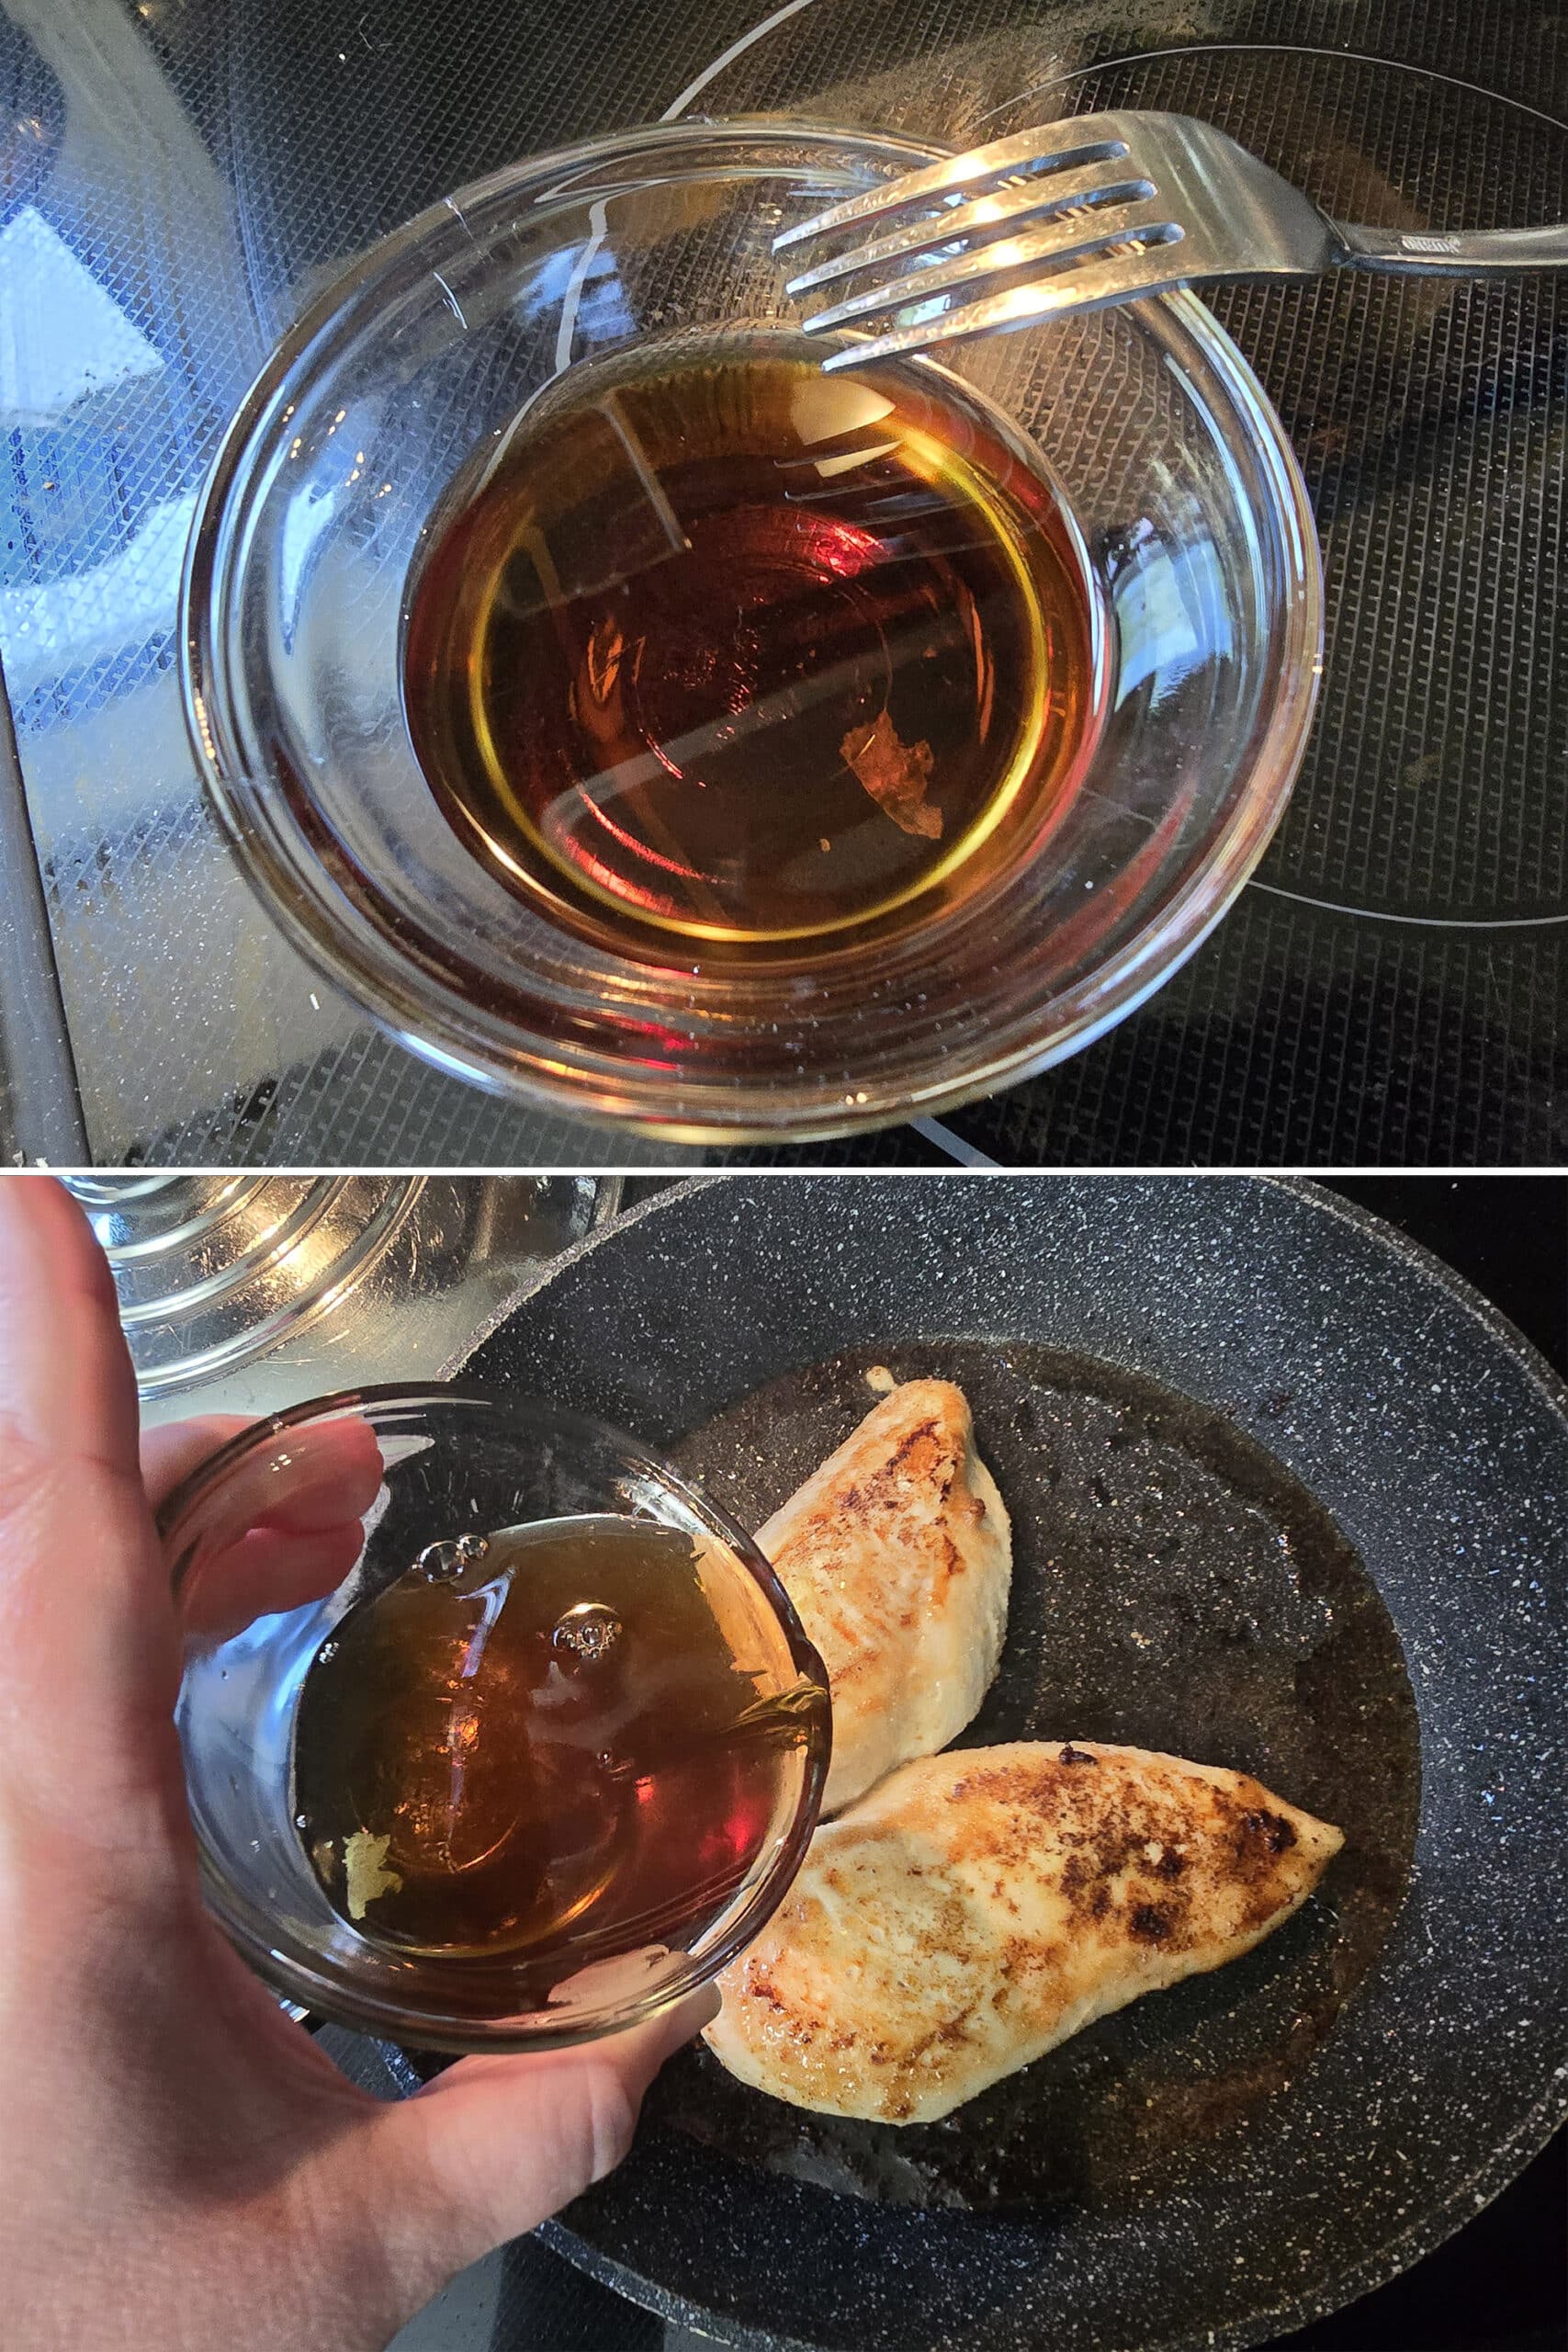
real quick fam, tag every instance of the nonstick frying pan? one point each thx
(1287, 1495)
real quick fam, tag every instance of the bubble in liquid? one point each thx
(588, 1631)
(328, 1650)
(301, 1821)
(443, 1562)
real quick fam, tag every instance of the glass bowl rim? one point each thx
(388, 983)
(293, 1976)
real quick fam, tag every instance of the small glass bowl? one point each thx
(269, 1543)
(1195, 530)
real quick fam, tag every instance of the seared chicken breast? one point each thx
(977, 1908)
(898, 1555)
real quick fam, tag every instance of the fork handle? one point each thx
(1473, 252)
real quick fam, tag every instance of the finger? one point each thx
(269, 1571)
(66, 1385)
(301, 1479)
(87, 1627)
(283, 1561)
(170, 1454)
(495, 2145)
(281, 1529)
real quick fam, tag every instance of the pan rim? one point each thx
(1310, 1189)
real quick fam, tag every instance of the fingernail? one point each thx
(696, 2009)
(706, 2004)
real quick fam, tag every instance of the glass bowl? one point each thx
(1194, 529)
(311, 1524)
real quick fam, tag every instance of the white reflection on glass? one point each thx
(1171, 615)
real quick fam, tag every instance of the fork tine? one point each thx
(1073, 241)
(1115, 279)
(1087, 139)
(986, 216)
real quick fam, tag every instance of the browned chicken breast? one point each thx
(899, 1556)
(977, 1908)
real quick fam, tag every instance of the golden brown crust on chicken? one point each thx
(977, 1908)
(898, 1555)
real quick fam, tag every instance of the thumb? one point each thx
(495, 2145)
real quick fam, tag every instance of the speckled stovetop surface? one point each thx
(1393, 986)
(1424, 1454)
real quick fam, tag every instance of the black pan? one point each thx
(1287, 1496)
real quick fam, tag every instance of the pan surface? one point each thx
(1287, 1496)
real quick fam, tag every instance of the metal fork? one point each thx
(1101, 208)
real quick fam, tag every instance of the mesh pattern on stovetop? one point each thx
(1392, 988)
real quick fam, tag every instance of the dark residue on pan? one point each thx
(1176, 1588)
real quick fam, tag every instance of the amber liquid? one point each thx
(715, 651)
(577, 1746)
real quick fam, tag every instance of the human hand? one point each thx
(181, 2167)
